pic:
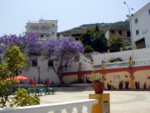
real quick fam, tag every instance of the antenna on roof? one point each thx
(41, 17)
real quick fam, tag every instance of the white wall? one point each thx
(124, 55)
(52, 30)
(45, 72)
(143, 25)
(107, 34)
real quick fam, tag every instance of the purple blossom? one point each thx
(50, 47)
(26, 43)
(67, 47)
(63, 50)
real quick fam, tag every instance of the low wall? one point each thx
(65, 107)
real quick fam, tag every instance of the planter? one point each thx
(98, 87)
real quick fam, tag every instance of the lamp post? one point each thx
(39, 75)
(130, 25)
(132, 46)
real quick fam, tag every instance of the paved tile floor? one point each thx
(120, 101)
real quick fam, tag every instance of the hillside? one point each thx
(102, 26)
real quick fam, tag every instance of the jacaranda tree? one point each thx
(26, 43)
(61, 51)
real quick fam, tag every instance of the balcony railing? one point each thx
(135, 63)
(65, 107)
(124, 64)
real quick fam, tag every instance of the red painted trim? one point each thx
(105, 71)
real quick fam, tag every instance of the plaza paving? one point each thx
(120, 101)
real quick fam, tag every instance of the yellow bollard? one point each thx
(132, 82)
(103, 105)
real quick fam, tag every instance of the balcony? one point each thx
(124, 64)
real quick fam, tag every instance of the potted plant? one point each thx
(121, 84)
(145, 85)
(109, 86)
(97, 80)
(127, 84)
(137, 85)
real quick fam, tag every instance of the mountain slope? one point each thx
(102, 26)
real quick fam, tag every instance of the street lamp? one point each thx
(130, 25)
(39, 79)
(132, 46)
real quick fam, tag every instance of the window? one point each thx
(76, 58)
(136, 20)
(34, 27)
(137, 32)
(77, 38)
(53, 32)
(50, 63)
(128, 34)
(47, 35)
(34, 62)
(120, 32)
(42, 35)
(45, 27)
(149, 11)
(140, 43)
(116, 78)
(112, 32)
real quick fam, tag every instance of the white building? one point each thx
(122, 33)
(45, 29)
(39, 68)
(140, 27)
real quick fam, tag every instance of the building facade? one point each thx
(83, 67)
(118, 75)
(122, 33)
(45, 29)
(140, 23)
(39, 68)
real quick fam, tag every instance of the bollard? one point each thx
(103, 105)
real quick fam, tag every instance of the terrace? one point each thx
(124, 64)
(66, 102)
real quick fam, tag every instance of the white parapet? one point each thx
(65, 107)
(124, 64)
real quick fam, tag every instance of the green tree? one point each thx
(115, 43)
(99, 41)
(5, 85)
(86, 37)
(88, 49)
(22, 98)
(15, 59)
(95, 38)
(5, 89)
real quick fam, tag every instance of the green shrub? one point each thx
(88, 49)
(115, 59)
(22, 98)
(5, 91)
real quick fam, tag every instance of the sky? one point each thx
(69, 13)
